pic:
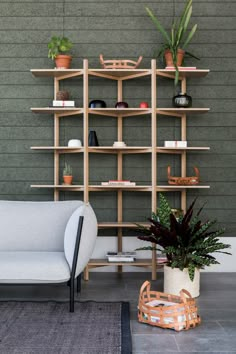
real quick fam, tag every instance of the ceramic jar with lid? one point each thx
(182, 100)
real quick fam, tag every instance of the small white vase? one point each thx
(176, 280)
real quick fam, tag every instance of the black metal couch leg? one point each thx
(78, 288)
(72, 295)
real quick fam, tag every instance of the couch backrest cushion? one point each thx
(34, 226)
(88, 236)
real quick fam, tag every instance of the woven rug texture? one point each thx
(49, 328)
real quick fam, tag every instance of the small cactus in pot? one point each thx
(67, 174)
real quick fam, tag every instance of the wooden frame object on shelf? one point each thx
(152, 113)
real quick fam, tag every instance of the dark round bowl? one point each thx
(97, 104)
(182, 100)
(121, 105)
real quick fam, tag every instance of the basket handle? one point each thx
(183, 294)
(196, 171)
(168, 172)
(146, 284)
(139, 61)
(101, 59)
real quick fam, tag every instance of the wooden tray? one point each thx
(119, 63)
(193, 180)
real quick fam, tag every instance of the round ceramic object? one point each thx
(62, 96)
(121, 105)
(119, 144)
(182, 100)
(176, 280)
(74, 143)
(97, 104)
(143, 105)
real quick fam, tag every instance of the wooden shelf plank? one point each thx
(59, 111)
(116, 74)
(124, 112)
(59, 186)
(125, 225)
(60, 149)
(123, 150)
(178, 112)
(183, 73)
(130, 188)
(104, 262)
(58, 73)
(169, 150)
(163, 188)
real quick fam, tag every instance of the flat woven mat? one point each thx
(49, 328)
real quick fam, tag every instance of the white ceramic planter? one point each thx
(175, 280)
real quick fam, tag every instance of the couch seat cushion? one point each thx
(33, 267)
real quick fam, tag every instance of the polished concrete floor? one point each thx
(217, 307)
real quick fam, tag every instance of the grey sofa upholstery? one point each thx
(45, 242)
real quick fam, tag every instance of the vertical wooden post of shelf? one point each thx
(56, 143)
(183, 155)
(119, 172)
(85, 138)
(154, 155)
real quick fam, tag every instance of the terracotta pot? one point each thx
(63, 61)
(169, 58)
(67, 179)
(176, 280)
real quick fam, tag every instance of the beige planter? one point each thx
(175, 280)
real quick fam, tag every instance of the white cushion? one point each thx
(88, 236)
(33, 267)
(34, 226)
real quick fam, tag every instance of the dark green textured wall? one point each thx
(116, 29)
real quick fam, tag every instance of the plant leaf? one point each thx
(158, 25)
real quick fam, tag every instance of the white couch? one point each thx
(45, 242)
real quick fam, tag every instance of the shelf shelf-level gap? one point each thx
(85, 124)
(154, 155)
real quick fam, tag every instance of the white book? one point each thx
(59, 103)
(121, 254)
(114, 183)
(120, 259)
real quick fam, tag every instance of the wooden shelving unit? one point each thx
(152, 113)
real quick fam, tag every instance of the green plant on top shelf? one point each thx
(176, 42)
(58, 45)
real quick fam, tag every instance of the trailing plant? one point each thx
(179, 37)
(186, 241)
(67, 171)
(58, 45)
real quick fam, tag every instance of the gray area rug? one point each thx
(48, 328)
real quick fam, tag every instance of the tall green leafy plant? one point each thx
(186, 241)
(179, 36)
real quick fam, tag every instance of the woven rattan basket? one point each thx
(120, 63)
(166, 310)
(183, 180)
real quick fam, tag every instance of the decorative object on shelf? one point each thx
(187, 242)
(182, 100)
(74, 143)
(176, 42)
(119, 183)
(92, 139)
(121, 256)
(63, 103)
(62, 96)
(67, 174)
(183, 181)
(159, 309)
(143, 105)
(175, 143)
(120, 63)
(121, 105)
(119, 144)
(97, 104)
(56, 47)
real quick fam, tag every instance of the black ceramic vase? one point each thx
(92, 139)
(182, 100)
(97, 104)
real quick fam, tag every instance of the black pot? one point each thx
(121, 105)
(182, 100)
(92, 139)
(97, 104)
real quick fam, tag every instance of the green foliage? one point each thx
(67, 171)
(58, 45)
(186, 241)
(179, 36)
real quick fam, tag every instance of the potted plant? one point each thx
(175, 43)
(57, 47)
(187, 243)
(67, 174)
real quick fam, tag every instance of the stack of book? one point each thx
(121, 256)
(119, 183)
(57, 103)
(161, 259)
